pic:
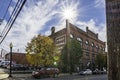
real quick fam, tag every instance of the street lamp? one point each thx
(11, 46)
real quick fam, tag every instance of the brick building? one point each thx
(18, 58)
(90, 43)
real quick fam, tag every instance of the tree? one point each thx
(75, 52)
(101, 61)
(41, 51)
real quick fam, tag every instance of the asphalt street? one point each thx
(68, 77)
(27, 76)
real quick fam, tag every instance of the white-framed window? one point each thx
(71, 36)
(86, 42)
(79, 39)
(92, 44)
(96, 46)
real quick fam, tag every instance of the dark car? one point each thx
(96, 71)
(45, 72)
(18, 67)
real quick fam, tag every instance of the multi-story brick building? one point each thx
(90, 43)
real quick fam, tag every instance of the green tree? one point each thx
(41, 51)
(75, 52)
(101, 60)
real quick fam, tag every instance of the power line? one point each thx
(13, 16)
(3, 17)
(9, 20)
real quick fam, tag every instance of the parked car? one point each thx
(85, 72)
(4, 64)
(1, 60)
(17, 67)
(43, 72)
(96, 71)
(104, 71)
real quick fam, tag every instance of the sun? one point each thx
(69, 11)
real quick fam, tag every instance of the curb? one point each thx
(21, 72)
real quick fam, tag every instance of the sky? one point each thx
(38, 16)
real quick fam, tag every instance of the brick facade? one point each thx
(18, 58)
(90, 43)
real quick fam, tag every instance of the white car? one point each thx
(85, 72)
(4, 64)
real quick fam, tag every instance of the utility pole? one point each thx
(68, 45)
(113, 38)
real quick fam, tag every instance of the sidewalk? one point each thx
(3, 75)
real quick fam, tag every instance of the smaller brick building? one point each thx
(18, 58)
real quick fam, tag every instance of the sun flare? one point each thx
(69, 11)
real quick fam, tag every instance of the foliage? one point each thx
(101, 60)
(41, 51)
(75, 54)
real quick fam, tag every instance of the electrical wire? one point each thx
(9, 20)
(14, 18)
(2, 18)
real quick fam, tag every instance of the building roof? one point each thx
(88, 33)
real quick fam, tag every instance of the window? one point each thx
(103, 49)
(87, 53)
(86, 42)
(97, 46)
(71, 36)
(79, 39)
(92, 44)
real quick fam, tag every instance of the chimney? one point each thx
(87, 29)
(52, 30)
(97, 35)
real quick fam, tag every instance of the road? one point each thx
(27, 76)
(73, 77)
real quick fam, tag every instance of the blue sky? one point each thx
(38, 16)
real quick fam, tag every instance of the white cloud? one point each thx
(15, 1)
(47, 33)
(32, 19)
(2, 26)
(100, 3)
(10, 9)
(93, 26)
